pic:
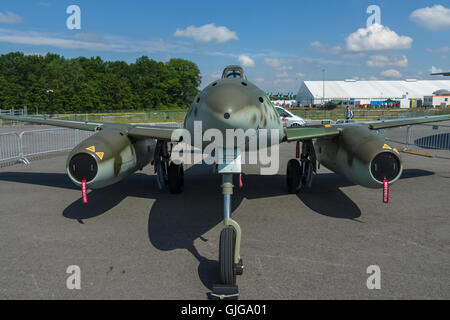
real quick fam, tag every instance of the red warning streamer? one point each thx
(84, 191)
(385, 191)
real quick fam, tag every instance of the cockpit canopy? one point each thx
(233, 72)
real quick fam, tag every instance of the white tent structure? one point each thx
(318, 92)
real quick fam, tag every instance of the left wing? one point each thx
(306, 133)
(384, 124)
(313, 132)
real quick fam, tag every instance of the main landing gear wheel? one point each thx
(176, 178)
(226, 256)
(161, 159)
(294, 176)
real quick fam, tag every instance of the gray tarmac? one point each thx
(132, 241)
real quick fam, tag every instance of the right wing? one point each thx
(86, 126)
(136, 131)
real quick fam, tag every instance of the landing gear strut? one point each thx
(167, 172)
(300, 174)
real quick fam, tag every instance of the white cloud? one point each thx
(383, 61)
(10, 18)
(88, 36)
(60, 43)
(246, 61)
(282, 75)
(280, 66)
(391, 73)
(324, 48)
(436, 70)
(434, 18)
(377, 37)
(442, 49)
(274, 62)
(110, 43)
(207, 33)
(299, 74)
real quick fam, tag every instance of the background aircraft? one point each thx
(233, 102)
(441, 74)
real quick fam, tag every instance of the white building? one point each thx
(438, 99)
(405, 92)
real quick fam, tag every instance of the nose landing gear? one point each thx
(230, 262)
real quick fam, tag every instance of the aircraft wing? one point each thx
(136, 131)
(441, 74)
(306, 133)
(85, 126)
(161, 133)
(313, 132)
(385, 124)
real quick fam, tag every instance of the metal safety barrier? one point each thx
(9, 146)
(21, 146)
(420, 139)
(439, 141)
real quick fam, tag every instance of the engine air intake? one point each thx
(385, 165)
(83, 167)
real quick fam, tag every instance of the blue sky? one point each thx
(280, 43)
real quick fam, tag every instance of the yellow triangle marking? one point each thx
(395, 149)
(100, 155)
(91, 149)
(386, 147)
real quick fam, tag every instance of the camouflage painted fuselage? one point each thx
(233, 103)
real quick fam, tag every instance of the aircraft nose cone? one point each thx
(227, 98)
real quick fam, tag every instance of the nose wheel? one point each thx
(226, 256)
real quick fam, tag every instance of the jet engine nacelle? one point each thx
(107, 157)
(360, 156)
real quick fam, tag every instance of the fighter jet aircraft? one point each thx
(232, 102)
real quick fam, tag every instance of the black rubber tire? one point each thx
(294, 176)
(176, 178)
(226, 256)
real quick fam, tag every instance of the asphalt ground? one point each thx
(132, 241)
